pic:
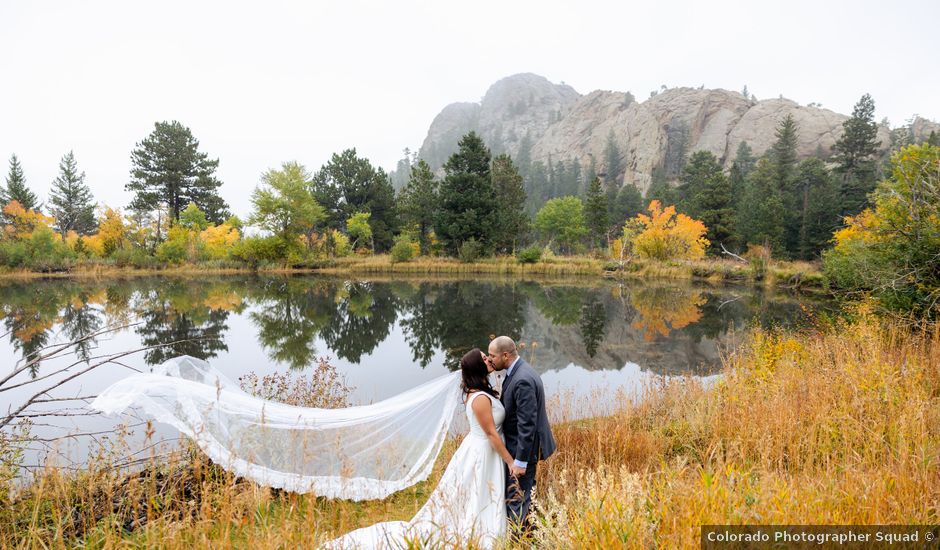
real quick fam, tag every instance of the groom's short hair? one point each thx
(504, 344)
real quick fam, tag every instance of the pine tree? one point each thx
(168, 169)
(933, 139)
(759, 217)
(349, 184)
(783, 161)
(855, 154)
(467, 200)
(819, 212)
(596, 214)
(511, 223)
(72, 203)
(419, 202)
(709, 198)
(16, 189)
(612, 165)
(628, 204)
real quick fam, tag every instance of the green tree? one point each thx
(855, 153)
(759, 217)
(283, 204)
(819, 212)
(357, 226)
(419, 202)
(783, 160)
(193, 218)
(629, 203)
(612, 164)
(893, 249)
(562, 219)
(348, 184)
(72, 203)
(168, 169)
(16, 189)
(595, 210)
(468, 202)
(511, 223)
(741, 166)
(709, 197)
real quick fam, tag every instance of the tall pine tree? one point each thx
(783, 161)
(855, 153)
(708, 198)
(759, 218)
(16, 189)
(819, 208)
(72, 204)
(349, 184)
(596, 214)
(511, 223)
(169, 170)
(468, 202)
(419, 202)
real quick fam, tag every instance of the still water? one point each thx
(383, 335)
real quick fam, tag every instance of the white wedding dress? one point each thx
(359, 453)
(468, 503)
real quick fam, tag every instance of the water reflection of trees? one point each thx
(176, 319)
(595, 325)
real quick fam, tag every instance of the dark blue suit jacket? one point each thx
(528, 436)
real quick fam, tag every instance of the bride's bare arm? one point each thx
(483, 410)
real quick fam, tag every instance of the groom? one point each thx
(528, 435)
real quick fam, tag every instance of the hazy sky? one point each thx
(264, 82)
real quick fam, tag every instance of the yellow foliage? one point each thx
(111, 232)
(95, 245)
(219, 240)
(22, 222)
(667, 235)
(662, 310)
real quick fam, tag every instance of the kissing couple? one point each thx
(487, 485)
(371, 451)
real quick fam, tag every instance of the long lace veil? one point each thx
(357, 453)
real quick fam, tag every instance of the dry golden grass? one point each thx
(836, 425)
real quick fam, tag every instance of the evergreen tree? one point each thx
(467, 200)
(933, 139)
(524, 156)
(536, 185)
(759, 217)
(612, 164)
(819, 212)
(168, 169)
(660, 190)
(741, 166)
(596, 213)
(349, 184)
(511, 223)
(783, 159)
(589, 174)
(628, 204)
(71, 199)
(709, 198)
(16, 189)
(855, 154)
(419, 203)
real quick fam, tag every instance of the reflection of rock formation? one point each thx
(665, 329)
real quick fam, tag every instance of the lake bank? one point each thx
(801, 276)
(836, 424)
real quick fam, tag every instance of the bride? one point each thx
(359, 453)
(468, 503)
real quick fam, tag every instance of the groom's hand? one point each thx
(516, 471)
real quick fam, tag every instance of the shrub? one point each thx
(402, 250)
(134, 257)
(257, 251)
(530, 255)
(470, 251)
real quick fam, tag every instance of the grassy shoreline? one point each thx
(837, 424)
(803, 276)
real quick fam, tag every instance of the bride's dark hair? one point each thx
(474, 372)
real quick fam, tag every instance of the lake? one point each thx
(594, 341)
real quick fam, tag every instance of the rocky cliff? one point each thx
(526, 111)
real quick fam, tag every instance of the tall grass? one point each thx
(837, 424)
